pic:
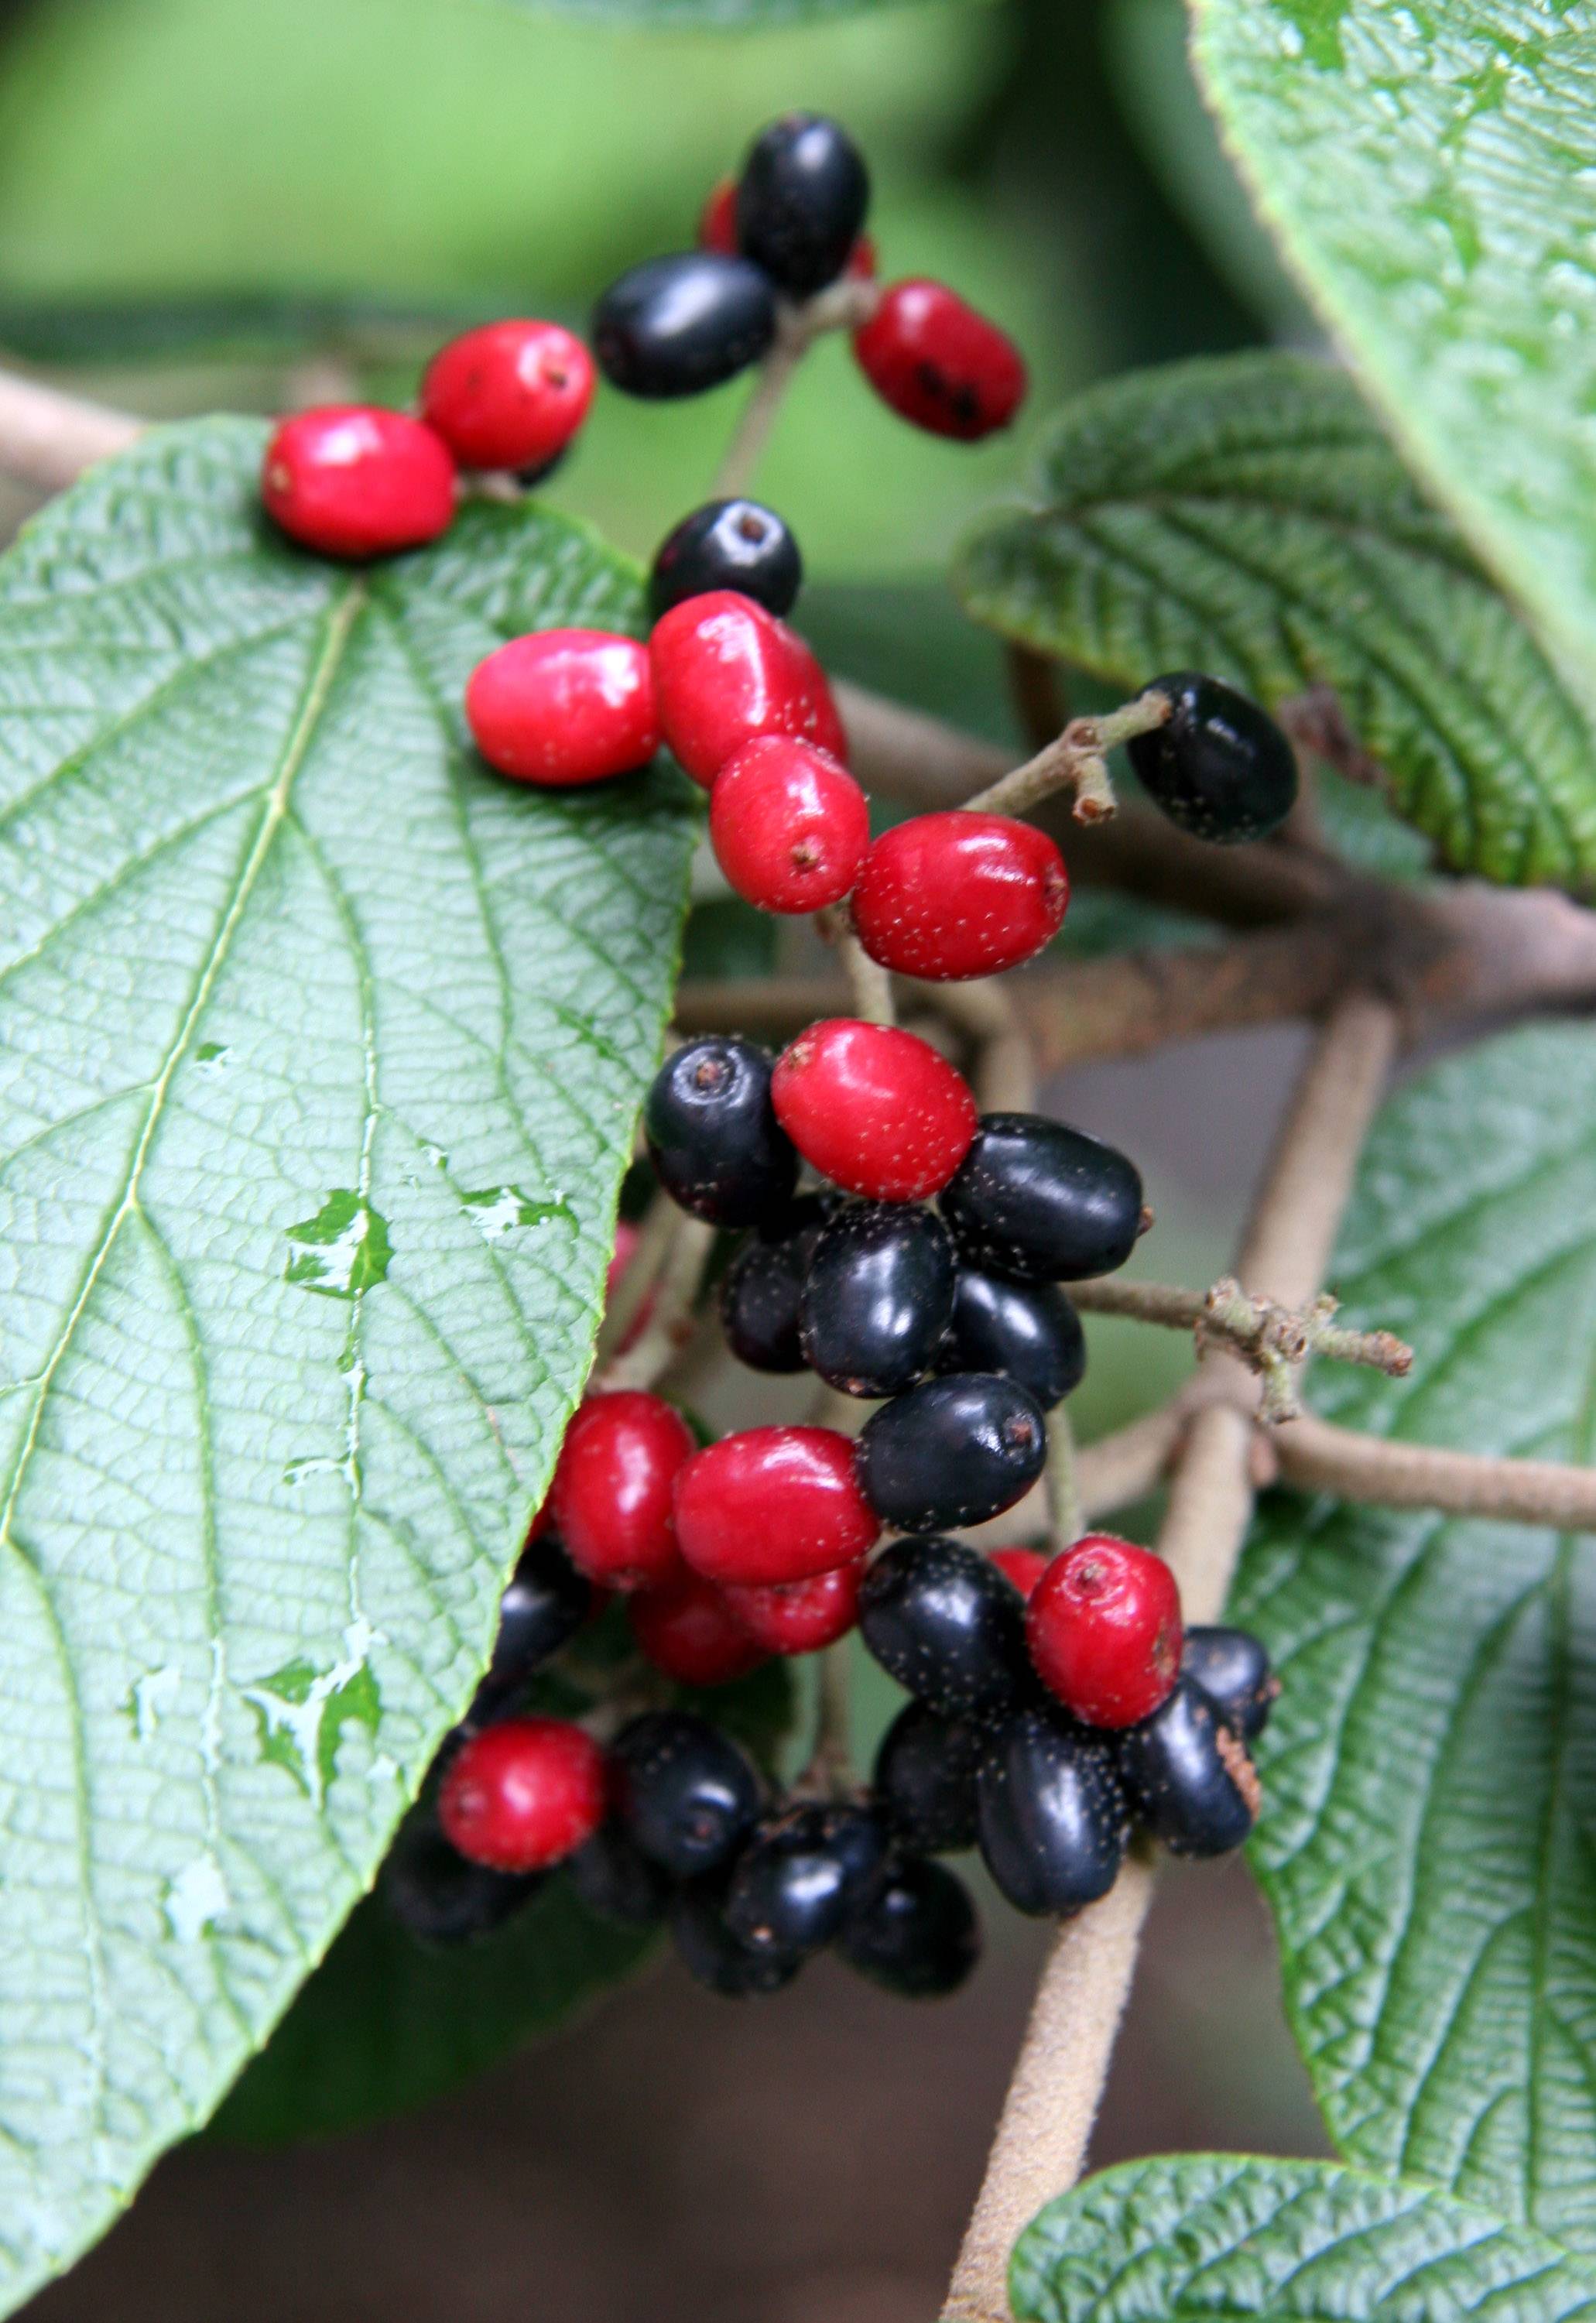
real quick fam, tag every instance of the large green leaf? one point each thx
(1220, 2238)
(322, 1053)
(1428, 1848)
(1246, 515)
(1428, 173)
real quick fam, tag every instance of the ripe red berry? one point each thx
(789, 825)
(611, 1498)
(948, 895)
(724, 671)
(353, 480)
(523, 1793)
(692, 1632)
(1024, 1567)
(563, 706)
(939, 363)
(510, 395)
(773, 1504)
(800, 1617)
(1104, 1629)
(876, 1110)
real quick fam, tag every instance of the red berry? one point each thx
(948, 896)
(939, 363)
(800, 1617)
(626, 1238)
(717, 221)
(726, 670)
(861, 262)
(563, 706)
(691, 1632)
(874, 1109)
(523, 1793)
(611, 1493)
(1104, 1629)
(1024, 1567)
(510, 395)
(789, 825)
(353, 480)
(773, 1504)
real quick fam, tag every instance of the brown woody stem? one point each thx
(1077, 761)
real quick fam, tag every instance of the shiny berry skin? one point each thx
(611, 1491)
(918, 1935)
(712, 1134)
(547, 1602)
(875, 1109)
(690, 1631)
(951, 1451)
(717, 230)
(1054, 1821)
(801, 1875)
(939, 364)
(611, 1876)
(738, 545)
(1028, 1331)
(726, 671)
(1043, 1203)
(523, 1793)
(353, 479)
(924, 1780)
(1023, 1566)
(1233, 1671)
(762, 1290)
(677, 325)
(683, 1791)
(510, 395)
(800, 201)
(879, 1297)
(563, 706)
(436, 1895)
(940, 1618)
(1104, 1629)
(789, 825)
(715, 1958)
(772, 1505)
(800, 1617)
(1219, 767)
(1188, 1777)
(945, 896)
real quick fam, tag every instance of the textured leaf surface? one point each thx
(1246, 516)
(1428, 173)
(1431, 1770)
(321, 1055)
(1215, 2236)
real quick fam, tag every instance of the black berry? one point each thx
(1043, 1203)
(924, 1781)
(713, 1956)
(738, 545)
(715, 1142)
(762, 1289)
(802, 200)
(438, 1895)
(944, 1621)
(685, 1791)
(614, 1877)
(676, 325)
(547, 1602)
(803, 1874)
(1053, 1817)
(879, 1297)
(1188, 1775)
(919, 1934)
(1028, 1331)
(952, 1451)
(1233, 1669)
(1219, 767)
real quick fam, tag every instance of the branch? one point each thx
(841, 307)
(1314, 1454)
(1074, 760)
(670, 1326)
(48, 438)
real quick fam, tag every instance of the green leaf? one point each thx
(322, 1053)
(1217, 2235)
(708, 15)
(1427, 1841)
(1246, 515)
(1428, 173)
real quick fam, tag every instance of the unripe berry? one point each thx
(563, 706)
(1023, 1566)
(688, 1630)
(1104, 1629)
(724, 671)
(800, 1617)
(353, 479)
(611, 1491)
(944, 897)
(875, 1109)
(520, 1795)
(773, 1504)
(510, 395)
(939, 363)
(789, 825)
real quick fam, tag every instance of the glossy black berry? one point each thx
(943, 1621)
(1219, 767)
(713, 1956)
(676, 325)
(1053, 1817)
(714, 1141)
(435, 1895)
(683, 1791)
(614, 1877)
(1188, 1777)
(1028, 1331)
(952, 1451)
(919, 1934)
(879, 1297)
(547, 1602)
(803, 1874)
(802, 200)
(1042, 1203)
(925, 1780)
(762, 1289)
(738, 545)
(1233, 1669)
